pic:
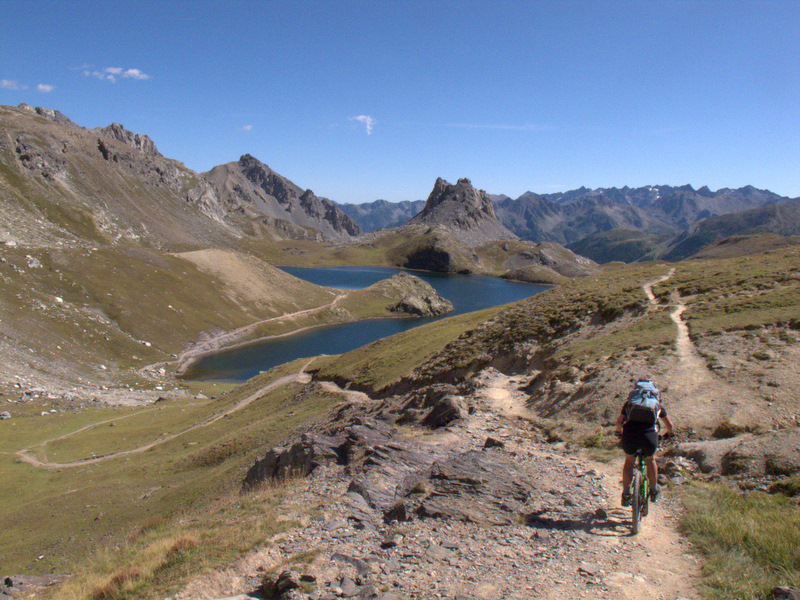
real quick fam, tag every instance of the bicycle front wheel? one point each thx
(636, 502)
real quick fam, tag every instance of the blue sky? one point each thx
(360, 100)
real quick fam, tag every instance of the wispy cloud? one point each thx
(10, 84)
(501, 126)
(246, 128)
(113, 73)
(367, 121)
(45, 87)
(135, 74)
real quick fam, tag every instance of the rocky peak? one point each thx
(135, 140)
(48, 113)
(251, 186)
(461, 194)
(464, 211)
(280, 188)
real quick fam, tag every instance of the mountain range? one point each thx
(64, 184)
(624, 224)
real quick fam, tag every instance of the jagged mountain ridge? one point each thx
(655, 210)
(567, 217)
(62, 184)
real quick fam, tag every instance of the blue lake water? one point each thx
(468, 293)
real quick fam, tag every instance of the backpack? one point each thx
(643, 404)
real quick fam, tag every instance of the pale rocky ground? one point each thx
(545, 522)
(566, 535)
(570, 540)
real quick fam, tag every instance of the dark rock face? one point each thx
(445, 411)
(299, 459)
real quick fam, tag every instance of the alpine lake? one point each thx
(468, 293)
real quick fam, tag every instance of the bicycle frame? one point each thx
(640, 493)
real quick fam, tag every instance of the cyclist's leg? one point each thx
(652, 470)
(650, 443)
(627, 471)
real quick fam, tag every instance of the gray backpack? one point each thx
(643, 404)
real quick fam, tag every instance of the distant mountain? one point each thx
(782, 219)
(382, 214)
(464, 211)
(62, 184)
(249, 189)
(655, 210)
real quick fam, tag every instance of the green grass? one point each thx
(750, 541)
(61, 514)
(385, 361)
(157, 558)
(739, 293)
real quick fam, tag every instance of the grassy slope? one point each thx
(543, 332)
(100, 314)
(61, 514)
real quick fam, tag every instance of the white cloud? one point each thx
(10, 84)
(365, 120)
(135, 74)
(45, 87)
(112, 73)
(246, 128)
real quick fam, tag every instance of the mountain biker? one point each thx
(636, 435)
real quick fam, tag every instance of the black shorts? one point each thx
(638, 438)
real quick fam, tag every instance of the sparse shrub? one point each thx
(761, 355)
(148, 526)
(594, 440)
(114, 589)
(789, 486)
(726, 429)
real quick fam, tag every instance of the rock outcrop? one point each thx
(464, 211)
(419, 298)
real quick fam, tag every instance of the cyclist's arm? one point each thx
(620, 421)
(668, 423)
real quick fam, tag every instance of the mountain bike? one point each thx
(640, 489)
(640, 493)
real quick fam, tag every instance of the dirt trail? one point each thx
(661, 566)
(595, 557)
(695, 394)
(230, 338)
(26, 456)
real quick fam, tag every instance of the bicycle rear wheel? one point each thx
(636, 502)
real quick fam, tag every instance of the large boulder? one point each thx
(774, 454)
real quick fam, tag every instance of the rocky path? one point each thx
(504, 515)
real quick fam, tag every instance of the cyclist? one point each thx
(641, 434)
